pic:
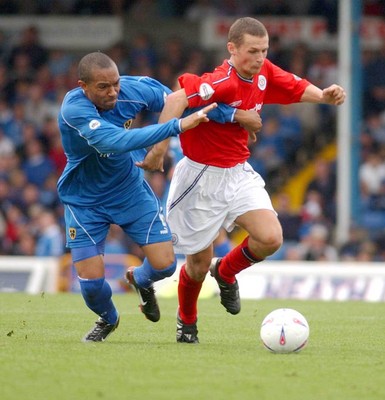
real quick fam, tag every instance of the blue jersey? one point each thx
(100, 147)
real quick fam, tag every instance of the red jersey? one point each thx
(225, 145)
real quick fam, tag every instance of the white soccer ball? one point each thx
(284, 331)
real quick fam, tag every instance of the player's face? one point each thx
(249, 57)
(103, 88)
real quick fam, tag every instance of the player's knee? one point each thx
(272, 243)
(163, 262)
(266, 245)
(168, 271)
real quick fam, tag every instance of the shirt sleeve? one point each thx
(221, 114)
(154, 93)
(193, 84)
(283, 87)
(105, 137)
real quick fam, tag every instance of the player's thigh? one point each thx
(85, 226)
(143, 220)
(262, 225)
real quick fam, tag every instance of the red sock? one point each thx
(237, 260)
(188, 293)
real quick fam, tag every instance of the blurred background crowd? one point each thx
(34, 79)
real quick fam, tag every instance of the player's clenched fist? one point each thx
(334, 94)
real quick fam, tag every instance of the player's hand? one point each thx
(334, 95)
(152, 162)
(195, 119)
(251, 121)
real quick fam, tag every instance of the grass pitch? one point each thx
(42, 356)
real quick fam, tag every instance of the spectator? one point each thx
(37, 166)
(290, 131)
(374, 83)
(25, 245)
(7, 148)
(174, 52)
(277, 54)
(270, 148)
(352, 247)
(311, 212)
(50, 239)
(142, 53)
(37, 107)
(289, 219)
(5, 81)
(375, 127)
(30, 46)
(324, 182)
(316, 247)
(322, 70)
(371, 176)
(15, 223)
(120, 53)
(59, 62)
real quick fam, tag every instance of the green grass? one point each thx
(41, 356)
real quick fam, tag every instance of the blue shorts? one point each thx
(143, 221)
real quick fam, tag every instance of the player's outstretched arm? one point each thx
(334, 95)
(193, 120)
(154, 158)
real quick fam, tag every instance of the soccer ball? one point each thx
(284, 331)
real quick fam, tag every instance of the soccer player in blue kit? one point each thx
(103, 183)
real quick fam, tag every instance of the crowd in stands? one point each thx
(34, 79)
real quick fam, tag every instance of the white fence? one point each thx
(291, 280)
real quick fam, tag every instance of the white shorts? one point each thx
(202, 199)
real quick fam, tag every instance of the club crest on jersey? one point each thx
(72, 233)
(205, 91)
(94, 124)
(175, 239)
(262, 82)
(127, 124)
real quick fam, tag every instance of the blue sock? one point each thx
(145, 275)
(97, 294)
(222, 249)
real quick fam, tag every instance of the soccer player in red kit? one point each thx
(213, 186)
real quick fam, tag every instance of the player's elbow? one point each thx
(178, 99)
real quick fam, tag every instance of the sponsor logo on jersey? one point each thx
(236, 103)
(127, 124)
(257, 107)
(72, 233)
(94, 124)
(262, 82)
